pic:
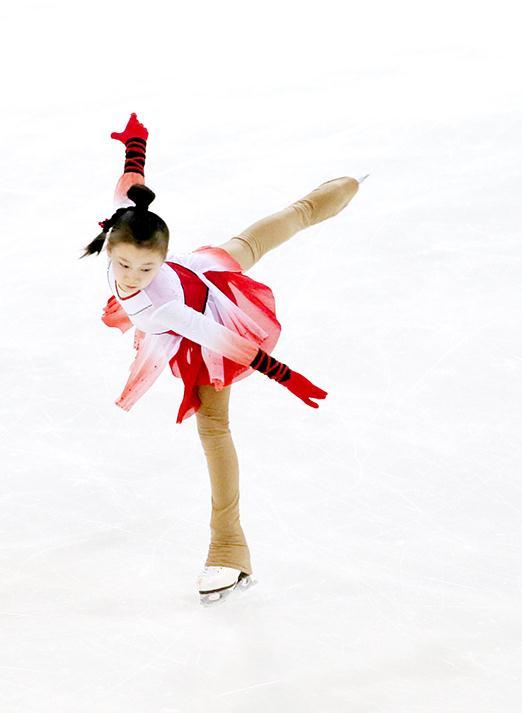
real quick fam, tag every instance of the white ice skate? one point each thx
(217, 583)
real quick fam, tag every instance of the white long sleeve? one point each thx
(125, 181)
(198, 328)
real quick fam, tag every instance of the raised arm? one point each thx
(134, 137)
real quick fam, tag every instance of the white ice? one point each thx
(384, 527)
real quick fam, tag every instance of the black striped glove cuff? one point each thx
(269, 366)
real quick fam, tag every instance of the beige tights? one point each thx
(228, 546)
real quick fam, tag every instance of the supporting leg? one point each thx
(323, 202)
(228, 546)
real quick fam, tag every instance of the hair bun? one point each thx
(141, 196)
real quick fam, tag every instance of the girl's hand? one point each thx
(133, 130)
(304, 389)
(115, 316)
(291, 380)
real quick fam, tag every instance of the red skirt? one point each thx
(252, 297)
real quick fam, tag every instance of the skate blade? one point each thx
(210, 599)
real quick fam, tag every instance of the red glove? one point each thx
(133, 130)
(134, 136)
(115, 316)
(292, 380)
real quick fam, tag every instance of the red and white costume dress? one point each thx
(202, 316)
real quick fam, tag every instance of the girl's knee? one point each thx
(212, 416)
(212, 422)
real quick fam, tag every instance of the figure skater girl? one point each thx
(211, 323)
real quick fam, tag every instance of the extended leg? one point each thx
(228, 546)
(323, 202)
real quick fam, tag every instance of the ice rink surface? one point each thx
(384, 527)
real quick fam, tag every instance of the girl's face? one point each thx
(134, 268)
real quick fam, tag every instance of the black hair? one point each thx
(135, 224)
